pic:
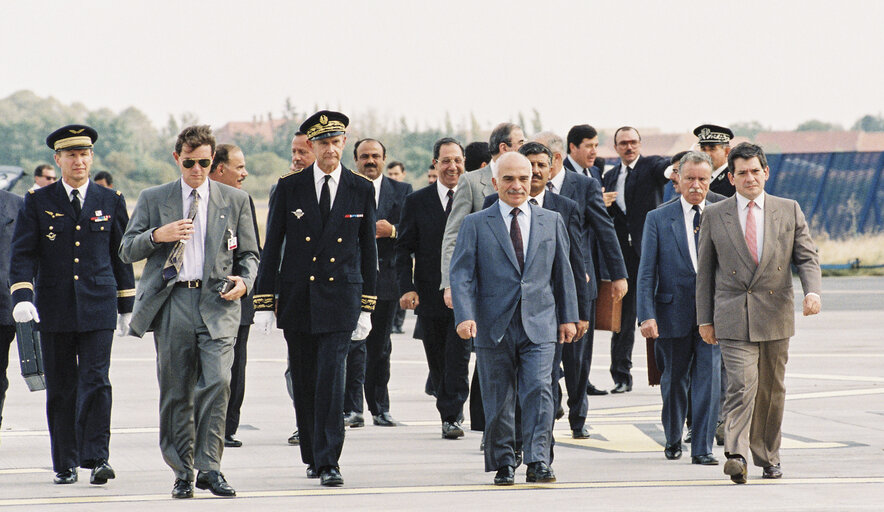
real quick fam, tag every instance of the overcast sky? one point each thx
(671, 65)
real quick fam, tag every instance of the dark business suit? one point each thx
(643, 192)
(666, 293)
(421, 229)
(10, 204)
(517, 313)
(594, 172)
(369, 359)
(80, 285)
(602, 252)
(323, 278)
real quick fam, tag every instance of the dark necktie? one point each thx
(75, 202)
(697, 214)
(325, 200)
(629, 187)
(176, 257)
(450, 196)
(534, 202)
(516, 237)
(550, 187)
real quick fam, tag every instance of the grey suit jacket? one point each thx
(229, 215)
(742, 300)
(487, 286)
(470, 196)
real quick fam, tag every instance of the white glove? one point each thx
(123, 321)
(363, 326)
(25, 312)
(264, 320)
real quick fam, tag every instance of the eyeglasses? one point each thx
(48, 178)
(189, 162)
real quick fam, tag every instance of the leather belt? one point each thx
(196, 283)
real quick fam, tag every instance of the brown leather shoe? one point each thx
(772, 472)
(735, 467)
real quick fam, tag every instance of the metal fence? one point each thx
(841, 194)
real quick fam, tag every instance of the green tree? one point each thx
(869, 123)
(815, 125)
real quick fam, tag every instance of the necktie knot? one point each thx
(550, 186)
(450, 194)
(515, 212)
(75, 202)
(533, 201)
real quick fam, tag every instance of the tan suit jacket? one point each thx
(469, 198)
(742, 300)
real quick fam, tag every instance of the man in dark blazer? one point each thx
(638, 181)
(667, 311)
(65, 254)
(422, 228)
(513, 292)
(199, 240)
(322, 286)
(601, 256)
(10, 204)
(368, 361)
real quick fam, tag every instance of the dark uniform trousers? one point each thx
(317, 364)
(368, 363)
(623, 341)
(448, 357)
(237, 380)
(576, 358)
(7, 334)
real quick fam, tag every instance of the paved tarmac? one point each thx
(833, 447)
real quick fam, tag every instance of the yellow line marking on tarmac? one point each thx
(831, 394)
(23, 471)
(444, 488)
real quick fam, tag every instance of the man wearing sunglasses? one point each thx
(44, 174)
(199, 239)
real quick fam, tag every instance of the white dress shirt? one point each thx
(558, 180)
(524, 219)
(377, 189)
(539, 197)
(579, 168)
(688, 211)
(442, 190)
(758, 213)
(194, 249)
(332, 183)
(80, 190)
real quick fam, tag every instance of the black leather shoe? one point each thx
(688, 435)
(772, 472)
(705, 460)
(384, 420)
(560, 412)
(232, 442)
(101, 473)
(68, 476)
(672, 451)
(594, 391)
(482, 444)
(735, 467)
(505, 476)
(719, 433)
(311, 471)
(295, 439)
(214, 481)
(622, 388)
(451, 430)
(580, 433)
(539, 472)
(331, 477)
(182, 489)
(518, 458)
(354, 420)
(397, 330)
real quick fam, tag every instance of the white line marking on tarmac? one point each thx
(444, 488)
(23, 471)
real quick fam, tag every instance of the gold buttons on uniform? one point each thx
(314, 258)
(51, 228)
(312, 278)
(76, 277)
(779, 268)
(76, 260)
(771, 292)
(733, 271)
(77, 243)
(340, 240)
(331, 260)
(331, 278)
(307, 239)
(750, 292)
(77, 227)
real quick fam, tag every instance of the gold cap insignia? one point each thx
(77, 132)
(323, 120)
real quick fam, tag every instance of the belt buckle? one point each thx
(193, 284)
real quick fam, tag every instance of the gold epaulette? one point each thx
(126, 293)
(264, 302)
(119, 193)
(21, 286)
(366, 178)
(290, 173)
(369, 302)
(31, 191)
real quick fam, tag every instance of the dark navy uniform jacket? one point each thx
(326, 276)
(10, 204)
(80, 281)
(390, 202)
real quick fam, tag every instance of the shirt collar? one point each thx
(318, 174)
(506, 209)
(632, 165)
(539, 197)
(202, 190)
(742, 202)
(81, 189)
(577, 167)
(559, 180)
(442, 190)
(687, 208)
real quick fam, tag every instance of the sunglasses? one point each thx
(189, 162)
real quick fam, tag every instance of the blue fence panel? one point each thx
(799, 177)
(845, 194)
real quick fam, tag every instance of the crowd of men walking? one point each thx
(506, 261)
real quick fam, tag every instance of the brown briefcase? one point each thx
(607, 310)
(654, 373)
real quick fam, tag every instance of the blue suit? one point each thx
(666, 293)
(10, 204)
(517, 314)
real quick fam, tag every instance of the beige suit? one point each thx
(472, 189)
(751, 307)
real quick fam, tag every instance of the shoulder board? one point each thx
(119, 193)
(290, 173)
(30, 191)
(366, 178)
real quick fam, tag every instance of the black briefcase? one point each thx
(31, 355)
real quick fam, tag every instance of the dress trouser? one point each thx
(756, 395)
(318, 365)
(7, 334)
(516, 366)
(576, 358)
(448, 357)
(78, 396)
(691, 368)
(623, 341)
(237, 380)
(193, 370)
(355, 377)
(378, 349)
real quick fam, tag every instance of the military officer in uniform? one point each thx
(323, 292)
(715, 141)
(65, 253)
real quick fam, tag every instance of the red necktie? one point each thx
(516, 237)
(751, 239)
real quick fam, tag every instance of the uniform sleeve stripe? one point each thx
(126, 293)
(21, 286)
